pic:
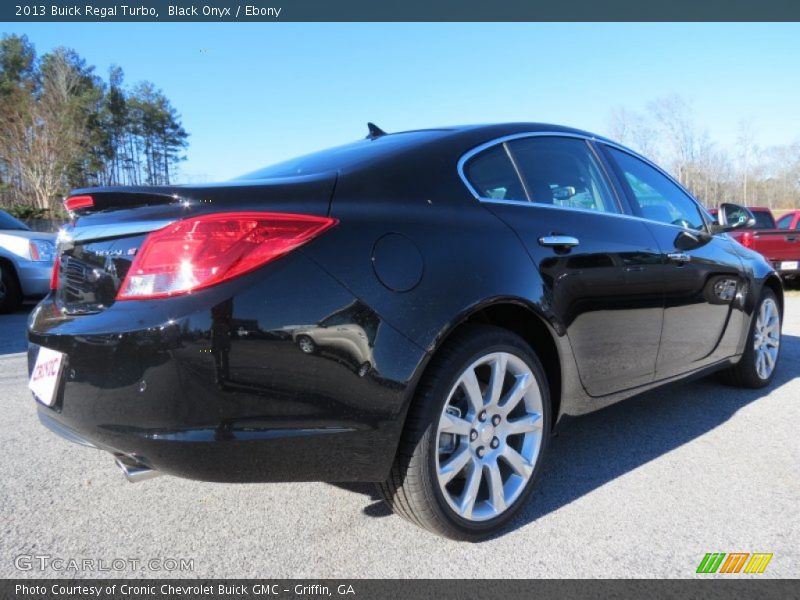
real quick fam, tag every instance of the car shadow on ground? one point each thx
(13, 338)
(592, 450)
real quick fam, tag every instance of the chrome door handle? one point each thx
(679, 257)
(559, 241)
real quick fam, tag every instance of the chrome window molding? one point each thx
(588, 138)
(502, 140)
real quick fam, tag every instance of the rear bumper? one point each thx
(214, 387)
(786, 272)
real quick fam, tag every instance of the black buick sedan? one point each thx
(417, 309)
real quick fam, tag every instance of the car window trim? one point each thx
(612, 182)
(587, 139)
(523, 181)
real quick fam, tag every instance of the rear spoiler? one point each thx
(89, 200)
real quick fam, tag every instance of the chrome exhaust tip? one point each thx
(133, 470)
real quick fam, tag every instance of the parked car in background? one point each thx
(789, 220)
(26, 262)
(764, 219)
(779, 245)
(451, 294)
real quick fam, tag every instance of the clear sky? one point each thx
(254, 94)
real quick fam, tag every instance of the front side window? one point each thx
(658, 198)
(562, 172)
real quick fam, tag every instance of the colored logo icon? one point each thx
(734, 562)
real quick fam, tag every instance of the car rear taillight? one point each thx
(77, 202)
(54, 276)
(747, 239)
(199, 252)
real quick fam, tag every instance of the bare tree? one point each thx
(674, 122)
(747, 153)
(635, 130)
(668, 132)
(42, 132)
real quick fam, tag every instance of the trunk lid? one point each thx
(98, 248)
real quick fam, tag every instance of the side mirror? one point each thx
(689, 240)
(732, 216)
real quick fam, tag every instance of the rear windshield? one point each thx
(8, 222)
(764, 220)
(343, 157)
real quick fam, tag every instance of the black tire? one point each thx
(10, 292)
(744, 374)
(412, 490)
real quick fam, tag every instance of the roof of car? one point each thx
(494, 130)
(417, 146)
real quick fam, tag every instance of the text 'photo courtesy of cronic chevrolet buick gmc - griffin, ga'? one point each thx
(418, 309)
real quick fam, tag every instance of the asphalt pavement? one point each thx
(641, 489)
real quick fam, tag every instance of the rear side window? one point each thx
(658, 198)
(562, 172)
(784, 222)
(492, 174)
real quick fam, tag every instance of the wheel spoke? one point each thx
(516, 394)
(516, 461)
(454, 465)
(770, 360)
(472, 388)
(466, 503)
(526, 424)
(495, 388)
(497, 494)
(452, 424)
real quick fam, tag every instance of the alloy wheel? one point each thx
(489, 436)
(767, 338)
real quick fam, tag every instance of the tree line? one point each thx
(63, 127)
(667, 132)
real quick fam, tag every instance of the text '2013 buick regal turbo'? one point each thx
(416, 309)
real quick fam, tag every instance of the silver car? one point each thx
(26, 262)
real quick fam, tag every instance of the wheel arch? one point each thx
(773, 282)
(7, 263)
(519, 317)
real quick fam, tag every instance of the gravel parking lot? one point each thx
(642, 489)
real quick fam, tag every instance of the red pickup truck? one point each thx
(781, 247)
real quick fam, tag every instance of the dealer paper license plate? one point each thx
(789, 265)
(46, 375)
